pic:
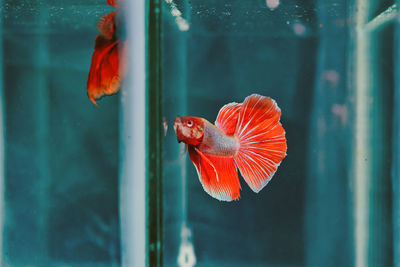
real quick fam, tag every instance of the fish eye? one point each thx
(189, 123)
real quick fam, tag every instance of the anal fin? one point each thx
(217, 174)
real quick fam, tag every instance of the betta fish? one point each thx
(246, 136)
(108, 60)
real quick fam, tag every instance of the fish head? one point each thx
(189, 130)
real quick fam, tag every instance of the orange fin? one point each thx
(112, 2)
(104, 74)
(218, 175)
(227, 118)
(107, 26)
(262, 140)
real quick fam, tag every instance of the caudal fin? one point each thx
(218, 175)
(104, 74)
(262, 140)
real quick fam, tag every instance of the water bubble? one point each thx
(272, 4)
(299, 29)
(341, 112)
(332, 77)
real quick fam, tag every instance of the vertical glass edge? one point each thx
(153, 133)
(396, 148)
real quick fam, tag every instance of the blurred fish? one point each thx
(247, 136)
(112, 2)
(109, 58)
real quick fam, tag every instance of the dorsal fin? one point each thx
(227, 118)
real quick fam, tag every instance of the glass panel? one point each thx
(373, 80)
(234, 49)
(61, 180)
(331, 74)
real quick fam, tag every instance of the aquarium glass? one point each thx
(109, 185)
(330, 67)
(61, 151)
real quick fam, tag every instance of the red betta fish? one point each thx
(108, 60)
(247, 136)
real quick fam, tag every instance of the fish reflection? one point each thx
(247, 136)
(109, 58)
(165, 126)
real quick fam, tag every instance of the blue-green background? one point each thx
(62, 153)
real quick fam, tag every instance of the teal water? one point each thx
(303, 55)
(61, 171)
(330, 65)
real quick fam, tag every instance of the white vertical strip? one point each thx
(362, 153)
(133, 140)
(2, 143)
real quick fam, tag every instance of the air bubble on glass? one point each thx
(272, 4)
(299, 29)
(341, 112)
(331, 77)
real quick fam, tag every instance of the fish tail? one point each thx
(104, 74)
(262, 141)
